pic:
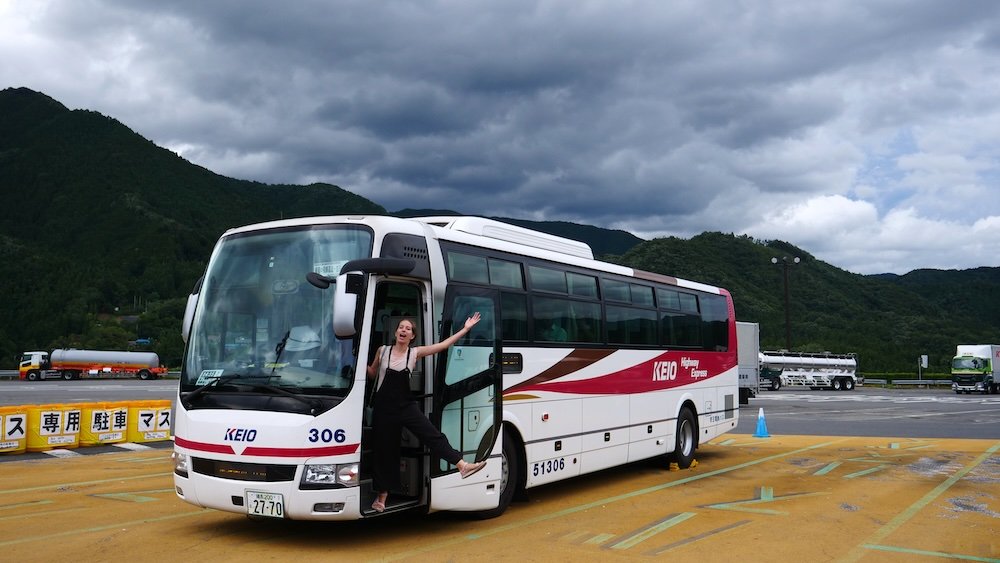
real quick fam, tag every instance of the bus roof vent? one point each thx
(511, 233)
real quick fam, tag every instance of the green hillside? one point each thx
(105, 233)
(99, 218)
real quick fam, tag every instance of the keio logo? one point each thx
(240, 435)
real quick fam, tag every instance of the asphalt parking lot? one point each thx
(870, 475)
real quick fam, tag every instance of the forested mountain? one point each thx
(99, 220)
(105, 233)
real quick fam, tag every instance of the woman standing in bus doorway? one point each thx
(394, 408)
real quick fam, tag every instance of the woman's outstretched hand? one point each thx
(471, 321)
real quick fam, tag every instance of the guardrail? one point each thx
(907, 382)
(12, 374)
(921, 382)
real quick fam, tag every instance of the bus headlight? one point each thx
(328, 475)
(181, 462)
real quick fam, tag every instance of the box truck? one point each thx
(748, 359)
(976, 369)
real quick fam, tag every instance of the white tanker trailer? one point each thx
(816, 371)
(73, 363)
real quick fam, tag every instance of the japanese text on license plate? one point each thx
(265, 504)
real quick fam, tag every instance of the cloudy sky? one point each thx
(865, 132)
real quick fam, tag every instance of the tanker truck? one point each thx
(976, 369)
(73, 363)
(816, 371)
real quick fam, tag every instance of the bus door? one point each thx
(467, 401)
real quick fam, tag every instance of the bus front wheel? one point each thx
(510, 476)
(685, 440)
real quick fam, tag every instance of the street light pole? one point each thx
(785, 262)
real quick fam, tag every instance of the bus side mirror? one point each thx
(345, 303)
(192, 302)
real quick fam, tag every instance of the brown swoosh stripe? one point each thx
(575, 361)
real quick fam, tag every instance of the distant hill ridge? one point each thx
(102, 222)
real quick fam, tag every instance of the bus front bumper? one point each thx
(279, 500)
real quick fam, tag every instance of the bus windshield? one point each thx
(260, 328)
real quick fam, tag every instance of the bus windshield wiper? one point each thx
(216, 382)
(248, 380)
(278, 350)
(313, 405)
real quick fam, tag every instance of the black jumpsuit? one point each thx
(393, 408)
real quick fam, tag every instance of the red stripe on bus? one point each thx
(650, 375)
(302, 452)
(203, 446)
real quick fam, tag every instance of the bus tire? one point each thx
(685, 439)
(510, 476)
(848, 384)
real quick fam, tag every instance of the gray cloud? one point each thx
(843, 127)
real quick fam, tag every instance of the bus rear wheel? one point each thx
(685, 439)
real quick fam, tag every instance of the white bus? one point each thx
(577, 365)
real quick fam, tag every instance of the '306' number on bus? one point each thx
(326, 435)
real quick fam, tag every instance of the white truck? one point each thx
(748, 359)
(976, 369)
(73, 363)
(816, 371)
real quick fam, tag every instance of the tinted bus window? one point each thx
(669, 299)
(689, 303)
(631, 326)
(467, 268)
(506, 274)
(680, 329)
(715, 323)
(615, 290)
(514, 316)
(546, 279)
(642, 295)
(565, 320)
(581, 285)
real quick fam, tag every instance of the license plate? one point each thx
(271, 505)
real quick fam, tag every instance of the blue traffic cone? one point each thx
(761, 426)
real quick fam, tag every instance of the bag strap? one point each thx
(383, 366)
